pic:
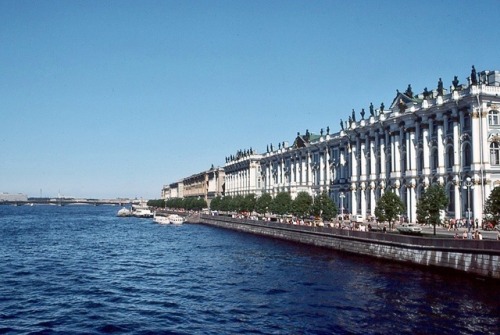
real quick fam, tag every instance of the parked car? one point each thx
(409, 228)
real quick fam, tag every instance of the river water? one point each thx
(82, 270)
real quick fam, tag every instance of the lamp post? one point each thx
(342, 196)
(468, 185)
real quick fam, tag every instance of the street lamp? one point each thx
(342, 196)
(468, 185)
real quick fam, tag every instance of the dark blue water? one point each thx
(79, 269)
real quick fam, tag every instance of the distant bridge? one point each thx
(70, 201)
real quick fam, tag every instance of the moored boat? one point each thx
(124, 212)
(176, 219)
(142, 210)
(161, 219)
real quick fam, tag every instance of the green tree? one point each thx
(301, 205)
(281, 203)
(158, 203)
(237, 203)
(215, 203)
(263, 203)
(389, 207)
(225, 204)
(430, 205)
(324, 207)
(248, 204)
(492, 205)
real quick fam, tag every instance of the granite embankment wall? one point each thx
(471, 256)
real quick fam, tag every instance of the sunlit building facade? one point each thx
(446, 137)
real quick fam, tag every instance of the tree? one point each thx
(248, 203)
(225, 204)
(324, 207)
(237, 203)
(430, 205)
(492, 205)
(281, 204)
(389, 207)
(215, 203)
(158, 203)
(301, 205)
(263, 203)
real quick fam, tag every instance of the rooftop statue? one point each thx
(362, 113)
(353, 115)
(372, 111)
(427, 94)
(455, 83)
(440, 87)
(409, 92)
(382, 108)
(341, 124)
(473, 76)
(321, 132)
(402, 106)
(328, 130)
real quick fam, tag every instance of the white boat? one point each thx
(409, 228)
(142, 210)
(176, 219)
(124, 212)
(161, 219)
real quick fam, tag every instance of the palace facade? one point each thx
(450, 138)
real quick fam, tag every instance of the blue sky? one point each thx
(117, 98)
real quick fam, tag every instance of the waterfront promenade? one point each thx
(476, 257)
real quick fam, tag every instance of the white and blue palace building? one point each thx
(439, 136)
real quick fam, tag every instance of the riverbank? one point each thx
(478, 257)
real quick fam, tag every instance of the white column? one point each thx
(425, 138)
(411, 153)
(373, 188)
(476, 139)
(363, 160)
(396, 154)
(441, 151)
(458, 204)
(354, 163)
(354, 199)
(327, 167)
(383, 173)
(373, 160)
(309, 170)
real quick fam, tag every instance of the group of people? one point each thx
(469, 235)
(455, 224)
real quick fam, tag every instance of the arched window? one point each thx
(466, 125)
(420, 161)
(450, 159)
(494, 153)
(434, 159)
(493, 118)
(467, 155)
(451, 198)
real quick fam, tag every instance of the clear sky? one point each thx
(117, 98)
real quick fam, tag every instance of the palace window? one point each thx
(493, 118)
(451, 198)
(420, 165)
(434, 159)
(449, 126)
(467, 156)
(450, 160)
(466, 125)
(495, 153)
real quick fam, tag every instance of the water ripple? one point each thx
(82, 270)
